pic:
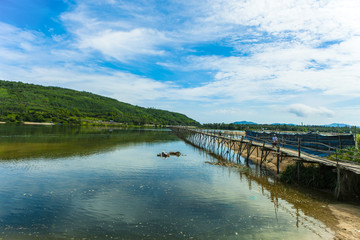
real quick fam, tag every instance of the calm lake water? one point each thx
(61, 183)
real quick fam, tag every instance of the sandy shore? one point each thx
(34, 123)
(346, 222)
(38, 123)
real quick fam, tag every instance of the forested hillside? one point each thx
(28, 102)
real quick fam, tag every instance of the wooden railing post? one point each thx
(278, 159)
(340, 141)
(355, 138)
(299, 147)
(337, 159)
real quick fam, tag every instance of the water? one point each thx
(58, 183)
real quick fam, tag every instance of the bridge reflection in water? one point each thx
(232, 147)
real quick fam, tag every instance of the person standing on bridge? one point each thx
(275, 141)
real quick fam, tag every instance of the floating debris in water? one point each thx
(175, 153)
(166, 155)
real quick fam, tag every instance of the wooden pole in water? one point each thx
(262, 153)
(248, 150)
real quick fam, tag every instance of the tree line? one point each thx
(279, 127)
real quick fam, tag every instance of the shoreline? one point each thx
(90, 124)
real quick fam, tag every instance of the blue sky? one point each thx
(264, 61)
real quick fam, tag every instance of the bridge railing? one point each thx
(303, 146)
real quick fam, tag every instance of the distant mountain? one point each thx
(288, 124)
(245, 122)
(28, 102)
(337, 125)
(341, 125)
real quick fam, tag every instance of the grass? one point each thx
(350, 154)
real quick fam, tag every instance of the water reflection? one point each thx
(309, 206)
(26, 142)
(127, 192)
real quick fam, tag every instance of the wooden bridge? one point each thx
(232, 147)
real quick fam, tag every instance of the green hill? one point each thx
(21, 102)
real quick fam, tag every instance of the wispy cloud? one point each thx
(308, 21)
(123, 45)
(16, 44)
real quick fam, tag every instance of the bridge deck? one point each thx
(305, 157)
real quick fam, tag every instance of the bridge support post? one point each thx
(262, 154)
(338, 183)
(338, 179)
(248, 151)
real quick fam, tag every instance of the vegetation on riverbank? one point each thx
(323, 178)
(312, 175)
(22, 102)
(349, 154)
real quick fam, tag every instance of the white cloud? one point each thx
(125, 45)
(302, 110)
(113, 37)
